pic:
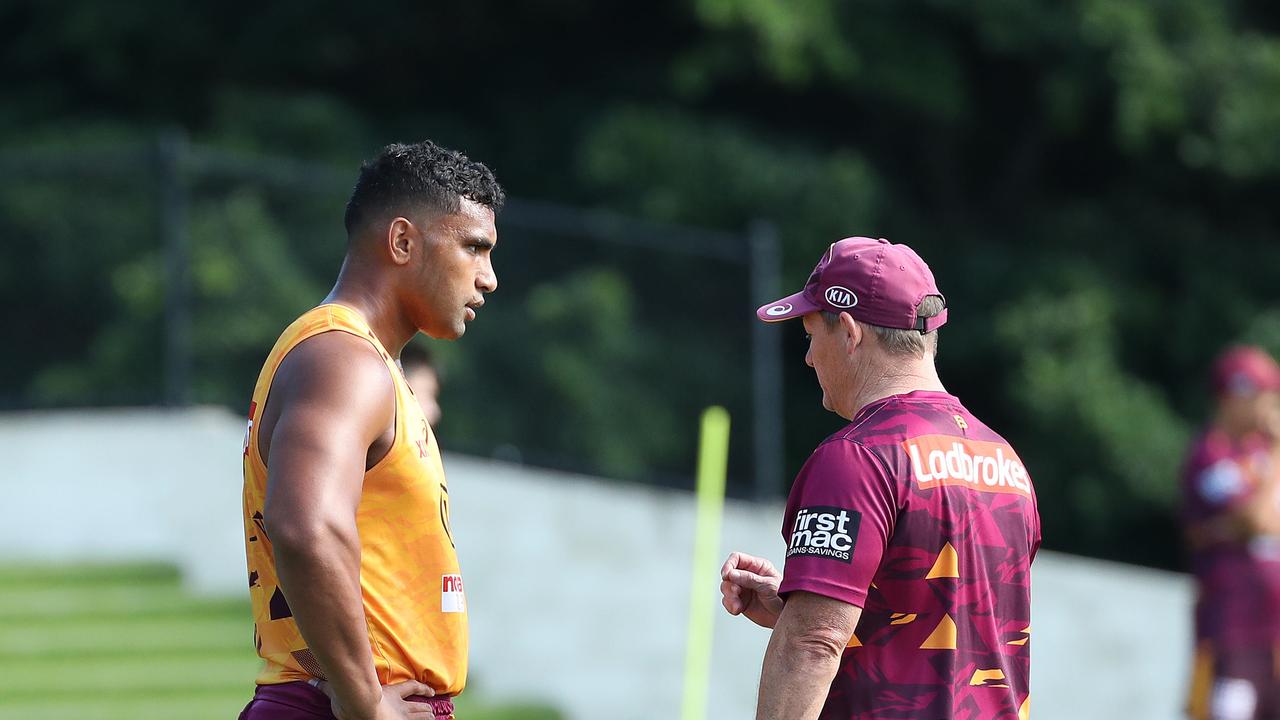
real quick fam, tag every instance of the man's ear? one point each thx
(853, 332)
(400, 240)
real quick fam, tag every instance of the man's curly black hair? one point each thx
(419, 176)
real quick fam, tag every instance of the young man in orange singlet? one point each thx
(359, 611)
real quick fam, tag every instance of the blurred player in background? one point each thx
(358, 604)
(906, 591)
(1231, 510)
(424, 379)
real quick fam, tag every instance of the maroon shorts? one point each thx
(300, 701)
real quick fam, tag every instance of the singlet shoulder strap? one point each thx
(326, 318)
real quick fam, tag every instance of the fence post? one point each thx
(171, 154)
(766, 364)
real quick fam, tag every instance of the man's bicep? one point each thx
(315, 465)
(337, 398)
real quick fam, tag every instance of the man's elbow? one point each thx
(816, 645)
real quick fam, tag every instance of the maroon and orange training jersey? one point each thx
(409, 578)
(927, 519)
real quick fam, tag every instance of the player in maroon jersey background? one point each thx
(1231, 516)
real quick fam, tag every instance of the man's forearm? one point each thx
(797, 676)
(320, 576)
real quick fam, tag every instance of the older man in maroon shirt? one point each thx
(906, 591)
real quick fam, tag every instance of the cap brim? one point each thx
(789, 307)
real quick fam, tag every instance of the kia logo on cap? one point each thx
(841, 297)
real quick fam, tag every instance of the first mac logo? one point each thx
(824, 531)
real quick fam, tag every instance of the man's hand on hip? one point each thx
(392, 706)
(749, 586)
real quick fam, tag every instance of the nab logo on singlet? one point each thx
(451, 598)
(824, 531)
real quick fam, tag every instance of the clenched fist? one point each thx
(749, 586)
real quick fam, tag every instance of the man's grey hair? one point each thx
(911, 343)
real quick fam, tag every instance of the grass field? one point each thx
(124, 642)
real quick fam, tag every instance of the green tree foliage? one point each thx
(579, 377)
(1092, 182)
(1114, 439)
(674, 166)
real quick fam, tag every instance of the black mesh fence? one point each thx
(150, 273)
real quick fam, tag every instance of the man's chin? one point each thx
(451, 333)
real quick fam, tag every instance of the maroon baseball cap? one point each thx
(875, 281)
(1244, 370)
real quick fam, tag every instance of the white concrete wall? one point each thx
(577, 588)
(111, 485)
(1108, 640)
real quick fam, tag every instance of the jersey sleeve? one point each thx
(840, 516)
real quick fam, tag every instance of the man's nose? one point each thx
(487, 281)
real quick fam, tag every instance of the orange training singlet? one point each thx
(409, 576)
